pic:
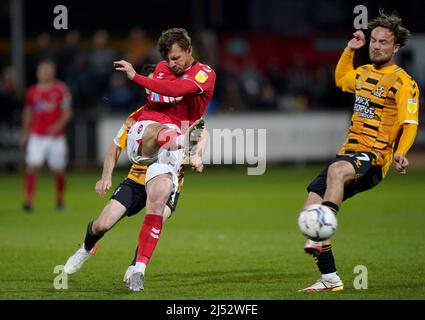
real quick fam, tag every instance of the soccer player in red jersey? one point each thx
(129, 197)
(179, 94)
(46, 113)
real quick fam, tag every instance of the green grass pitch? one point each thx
(233, 236)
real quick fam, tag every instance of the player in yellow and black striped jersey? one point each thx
(382, 130)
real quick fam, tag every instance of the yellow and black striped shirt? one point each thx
(385, 100)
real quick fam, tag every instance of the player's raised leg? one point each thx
(111, 214)
(339, 173)
(146, 139)
(336, 175)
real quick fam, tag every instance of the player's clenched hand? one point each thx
(196, 163)
(102, 186)
(358, 41)
(401, 163)
(125, 67)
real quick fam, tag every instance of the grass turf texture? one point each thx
(233, 237)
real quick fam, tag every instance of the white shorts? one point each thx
(164, 162)
(134, 139)
(167, 162)
(52, 149)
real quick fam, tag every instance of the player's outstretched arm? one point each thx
(170, 88)
(111, 158)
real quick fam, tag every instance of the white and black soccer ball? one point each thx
(317, 222)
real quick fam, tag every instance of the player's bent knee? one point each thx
(156, 206)
(340, 171)
(110, 215)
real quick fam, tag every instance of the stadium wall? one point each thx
(247, 138)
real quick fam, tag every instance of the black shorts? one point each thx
(368, 175)
(133, 196)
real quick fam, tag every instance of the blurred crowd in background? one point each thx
(85, 65)
(269, 55)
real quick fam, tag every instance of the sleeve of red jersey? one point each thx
(195, 82)
(171, 88)
(203, 76)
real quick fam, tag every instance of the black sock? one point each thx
(91, 239)
(334, 207)
(133, 263)
(325, 260)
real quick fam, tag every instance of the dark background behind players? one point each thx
(270, 56)
(275, 61)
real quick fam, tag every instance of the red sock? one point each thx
(30, 181)
(60, 185)
(169, 139)
(148, 237)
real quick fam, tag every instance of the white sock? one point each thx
(331, 277)
(140, 267)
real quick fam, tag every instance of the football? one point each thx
(317, 222)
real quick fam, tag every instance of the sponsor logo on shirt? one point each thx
(362, 106)
(155, 97)
(379, 91)
(201, 76)
(412, 106)
(44, 106)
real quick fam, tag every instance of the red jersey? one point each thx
(46, 104)
(181, 104)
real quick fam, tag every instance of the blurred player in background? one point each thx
(383, 128)
(46, 113)
(180, 92)
(129, 197)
